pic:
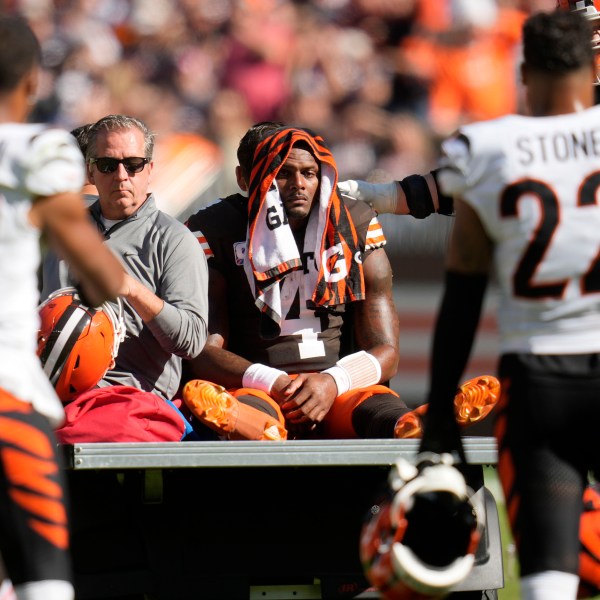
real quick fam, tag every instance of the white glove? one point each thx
(383, 197)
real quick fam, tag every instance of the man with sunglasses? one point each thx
(165, 290)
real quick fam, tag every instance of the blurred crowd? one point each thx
(381, 80)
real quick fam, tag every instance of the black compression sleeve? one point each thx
(445, 203)
(418, 196)
(455, 330)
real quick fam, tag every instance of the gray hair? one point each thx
(115, 123)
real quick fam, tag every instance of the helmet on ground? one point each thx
(420, 541)
(589, 538)
(589, 10)
(77, 344)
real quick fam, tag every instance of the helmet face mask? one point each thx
(77, 344)
(420, 541)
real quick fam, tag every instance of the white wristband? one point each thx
(354, 371)
(261, 377)
(341, 378)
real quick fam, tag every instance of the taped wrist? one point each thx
(355, 371)
(446, 203)
(261, 377)
(385, 197)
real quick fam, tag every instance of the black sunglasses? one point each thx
(132, 164)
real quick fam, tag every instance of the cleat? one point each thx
(474, 400)
(214, 406)
(211, 404)
(410, 425)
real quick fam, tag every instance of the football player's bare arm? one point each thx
(65, 222)
(376, 325)
(470, 249)
(415, 195)
(215, 363)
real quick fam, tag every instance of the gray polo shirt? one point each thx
(163, 254)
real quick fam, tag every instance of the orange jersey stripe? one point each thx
(45, 508)
(32, 473)
(375, 237)
(9, 403)
(55, 534)
(203, 243)
(25, 436)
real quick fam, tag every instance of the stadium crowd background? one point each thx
(381, 80)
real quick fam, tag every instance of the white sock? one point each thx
(49, 589)
(549, 585)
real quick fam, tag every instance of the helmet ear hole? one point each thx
(77, 344)
(439, 515)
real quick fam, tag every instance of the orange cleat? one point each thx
(214, 406)
(473, 401)
(410, 425)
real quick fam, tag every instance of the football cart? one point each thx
(243, 519)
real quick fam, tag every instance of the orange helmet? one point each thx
(420, 540)
(77, 344)
(589, 9)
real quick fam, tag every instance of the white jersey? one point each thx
(34, 161)
(534, 182)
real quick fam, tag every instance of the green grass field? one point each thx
(511, 565)
(509, 559)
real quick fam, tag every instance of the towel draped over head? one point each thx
(271, 250)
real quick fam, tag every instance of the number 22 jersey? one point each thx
(535, 184)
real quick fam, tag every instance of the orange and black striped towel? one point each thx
(271, 250)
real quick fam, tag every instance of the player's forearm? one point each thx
(415, 195)
(421, 196)
(378, 334)
(388, 357)
(377, 330)
(64, 220)
(97, 270)
(219, 365)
